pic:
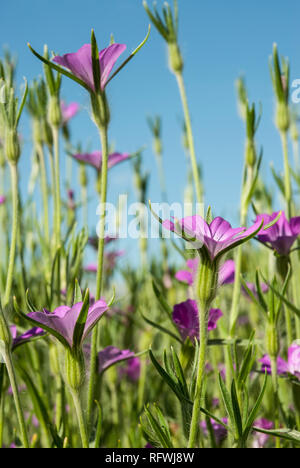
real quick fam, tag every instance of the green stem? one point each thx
(1, 420)
(190, 138)
(200, 377)
(85, 206)
(57, 206)
(99, 280)
(44, 190)
(287, 178)
(13, 383)
(276, 397)
(295, 276)
(81, 419)
(14, 234)
(2, 394)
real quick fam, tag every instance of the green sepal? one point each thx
(81, 321)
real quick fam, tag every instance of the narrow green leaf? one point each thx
(236, 410)
(95, 62)
(161, 328)
(59, 69)
(130, 56)
(226, 399)
(255, 409)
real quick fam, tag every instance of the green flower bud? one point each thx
(47, 133)
(175, 58)
(2, 156)
(66, 132)
(54, 111)
(82, 176)
(12, 145)
(250, 153)
(157, 146)
(74, 369)
(37, 132)
(272, 341)
(294, 131)
(282, 117)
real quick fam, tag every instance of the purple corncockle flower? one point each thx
(226, 272)
(68, 111)
(131, 369)
(80, 63)
(217, 237)
(220, 431)
(294, 360)
(71, 200)
(25, 337)
(282, 366)
(186, 318)
(110, 261)
(94, 241)
(292, 365)
(61, 323)
(112, 355)
(95, 159)
(2, 199)
(261, 439)
(252, 287)
(282, 234)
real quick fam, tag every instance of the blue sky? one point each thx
(220, 40)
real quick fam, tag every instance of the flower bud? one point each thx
(47, 133)
(294, 131)
(250, 153)
(37, 132)
(157, 146)
(12, 145)
(54, 112)
(272, 341)
(2, 156)
(74, 369)
(282, 117)
(82, 176)
(175, 57)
